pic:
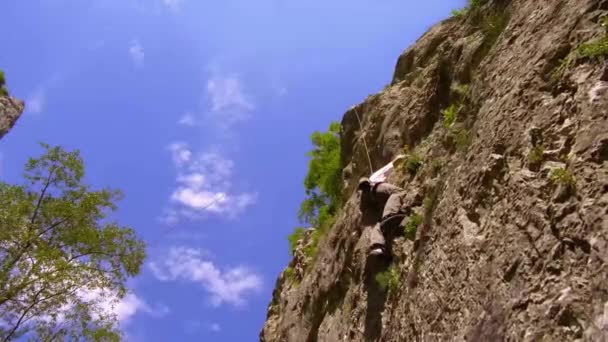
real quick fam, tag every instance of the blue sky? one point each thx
(201, 112)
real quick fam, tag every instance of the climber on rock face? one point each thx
(385, 198)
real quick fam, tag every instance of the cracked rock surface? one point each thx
(515, 245)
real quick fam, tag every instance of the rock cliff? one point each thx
(505, 105)
(10, 111)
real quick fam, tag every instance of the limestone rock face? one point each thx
(10, 111)
(513, 191)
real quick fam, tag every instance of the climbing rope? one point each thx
(393, 217)
(371, 169)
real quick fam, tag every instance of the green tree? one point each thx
(322, 183)
(57, 250)
(3, 90)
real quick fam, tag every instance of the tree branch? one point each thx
(34, 302)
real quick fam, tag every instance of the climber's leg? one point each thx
(377, 242)
(392, 209)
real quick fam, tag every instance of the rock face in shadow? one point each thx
(513, 193)
(10, 111)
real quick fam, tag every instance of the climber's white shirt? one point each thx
(382, 174)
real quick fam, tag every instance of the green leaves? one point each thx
(412, 225)
(3, 90)
(294, 237)
(389, 279)
(322, 185)
(595, 49)
(322, 182)
(56, 243)
(449, 115)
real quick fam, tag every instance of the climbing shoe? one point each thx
(378, 251)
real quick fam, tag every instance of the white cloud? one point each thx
(181, 153)
(137, 53)
(226, 93)
(188, 119)
(36, 102)
(124, 309)
(229, 103)
(108, 303)
(204, 185)
(229, 286)
(172, 5)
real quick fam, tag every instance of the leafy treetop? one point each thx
(60, 255)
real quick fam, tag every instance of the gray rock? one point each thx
(10, 111)
(497, 256)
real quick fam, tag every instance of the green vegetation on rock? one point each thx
(389, 279)
(322, 185)
(563, 177)
(595, 49)
(536, 155)
(472, 5)
(290, 274)
(294, 237)
(412, 225)
(3, 89)
(449, 115)
(413, 162)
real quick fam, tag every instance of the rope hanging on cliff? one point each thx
(371, 169)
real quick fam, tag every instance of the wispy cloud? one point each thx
(204, 185)
(107, 303)
(226, 94)
(188, 119)
(136, 51)
(228, 286)
(36, 102)
(215, 327)
(124, 309)
(173, 5)
(229, 102)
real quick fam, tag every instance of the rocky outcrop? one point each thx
(10, 111)
(513, 190)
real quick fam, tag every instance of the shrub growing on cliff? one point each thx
(536, 155)
(449, 115)
(436, 167)
(459, 12)
(563, 177)
(412, 225)
(294, 237)
(413, 162)
(322, 185)
(596, 49)
(290, 274)
(3, 90)
(323, 180)
(462, 138)
(472, 5)
(492, 25)
(389, 279)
